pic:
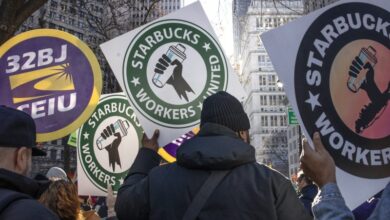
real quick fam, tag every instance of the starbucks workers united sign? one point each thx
(168, 67)
(159, 71)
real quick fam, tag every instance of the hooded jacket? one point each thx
(17, 195)
(249, 191)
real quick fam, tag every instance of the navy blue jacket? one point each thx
(17, 195)
(249, 191)
(307, 195)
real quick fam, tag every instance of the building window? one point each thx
(53, 154)
(261, 59)
(258, 22)
(272, 100)
(264, 121)
(54, 4)
(283, 120)
(63, 8)
(262, 81)
(62, 18)
(71, 21)
(272, 80)
(281, 99)
(274, 120)
(263, 100)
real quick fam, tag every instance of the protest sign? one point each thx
(108, 143)
(168, 152)
(53, 76)
(334, 64)
(72, 140)
(168, 67)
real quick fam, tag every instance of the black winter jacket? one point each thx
(249, 191)
(17, 198)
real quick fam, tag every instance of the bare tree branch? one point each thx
(14, 13)
(151, 7)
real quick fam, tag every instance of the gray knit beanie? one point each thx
(56, 173)
(224, 109)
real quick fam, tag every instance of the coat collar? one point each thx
(215, 148)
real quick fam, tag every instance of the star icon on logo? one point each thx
(313, 101)
(206, 46)
(200, 106)
(135, 81)
(121, 180)
(86, 135)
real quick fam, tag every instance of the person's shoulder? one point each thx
(164, 168)
(271, 174)
(268, 170)
(27, 209)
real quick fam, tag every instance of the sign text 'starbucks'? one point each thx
(159, 72)
(109, 142)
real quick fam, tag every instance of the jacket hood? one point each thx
(215, 147)
(19, 183)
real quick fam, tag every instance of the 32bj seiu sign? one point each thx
(51, 75)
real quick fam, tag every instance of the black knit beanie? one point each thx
(224, 109)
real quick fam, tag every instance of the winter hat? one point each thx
(56, 173)
(224, 109)
(17, 129)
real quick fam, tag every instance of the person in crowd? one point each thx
(216, 175)
(61, 197)
(307, 190)
(105, 205)
(17, 191)
(86, 207)
(329, 204)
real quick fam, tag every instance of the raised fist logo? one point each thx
(361, 76)
(169, 70)
(110, 139)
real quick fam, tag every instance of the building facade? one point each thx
(293, 138)
(311, 5)
(240, 8)
(160, 8)
(265, 102)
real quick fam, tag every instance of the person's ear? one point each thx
(22, 157)
(244, 136)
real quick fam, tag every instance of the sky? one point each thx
(219, 13)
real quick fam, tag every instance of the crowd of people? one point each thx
(216, 176)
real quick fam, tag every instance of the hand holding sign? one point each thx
(317, 163)
(367, 60)
(151, 143)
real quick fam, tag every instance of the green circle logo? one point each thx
(170, 68)
(109, 142)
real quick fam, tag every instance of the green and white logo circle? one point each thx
(109, 142)
(170, 67)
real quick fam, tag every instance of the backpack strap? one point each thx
(203, 194)
(7, 197)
